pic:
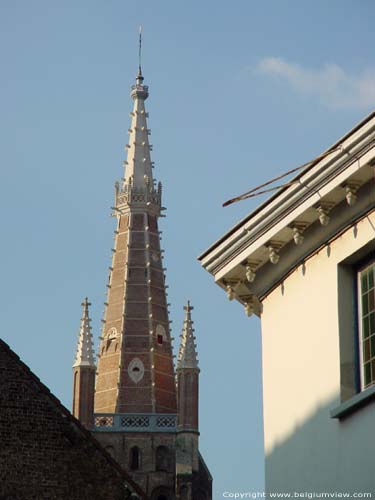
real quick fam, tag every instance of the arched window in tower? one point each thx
(162, 458)
(135, 458)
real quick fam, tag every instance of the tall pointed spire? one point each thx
(187, 356)
(84, 372)
(138, 177)
(136, 412)
(135, 368)
(85, 349)
(187, 457)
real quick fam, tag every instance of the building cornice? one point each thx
(370, 119)
(339, 187)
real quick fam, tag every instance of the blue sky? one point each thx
(239, 92)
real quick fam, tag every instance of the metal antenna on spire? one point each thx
(140, 49)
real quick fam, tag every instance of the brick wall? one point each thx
(44, 452)
(120, 444)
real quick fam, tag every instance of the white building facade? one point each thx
(304, 262)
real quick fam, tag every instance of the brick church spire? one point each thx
(135, 370)
(135, 409)
(84, 371)
(188, 376)
(187, 454)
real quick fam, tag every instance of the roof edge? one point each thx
(260, 207)
(87, 434)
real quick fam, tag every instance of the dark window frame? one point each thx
(135, 458)
(360, 267)
(162, 458)
(352, 395)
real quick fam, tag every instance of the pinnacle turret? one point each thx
(85, 350)
(187, 356)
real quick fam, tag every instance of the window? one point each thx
(160, 334)
(162, 458)
(135, 458)
(366, 323)
(355, 293)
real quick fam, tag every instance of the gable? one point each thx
(45, 452)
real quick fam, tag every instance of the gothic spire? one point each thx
(187, 356)
(85, 349)
(135, 367)
(138, 168)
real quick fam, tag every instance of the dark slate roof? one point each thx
(76, 431)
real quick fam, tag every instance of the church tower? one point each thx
(84, 371)
(135, 369)
(136, 414)
(187, 454)
(188, 377)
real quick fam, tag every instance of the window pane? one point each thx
(371, 300)
(365, 326)
(364, 282)
(367, 374)
(366, 350)
(372, 341)
(364, 303)
(372, 323)
(371, 278)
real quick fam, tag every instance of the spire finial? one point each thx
(140, 78)
(85, 304)
(188, 308)
(85, 349)
(140, 51)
